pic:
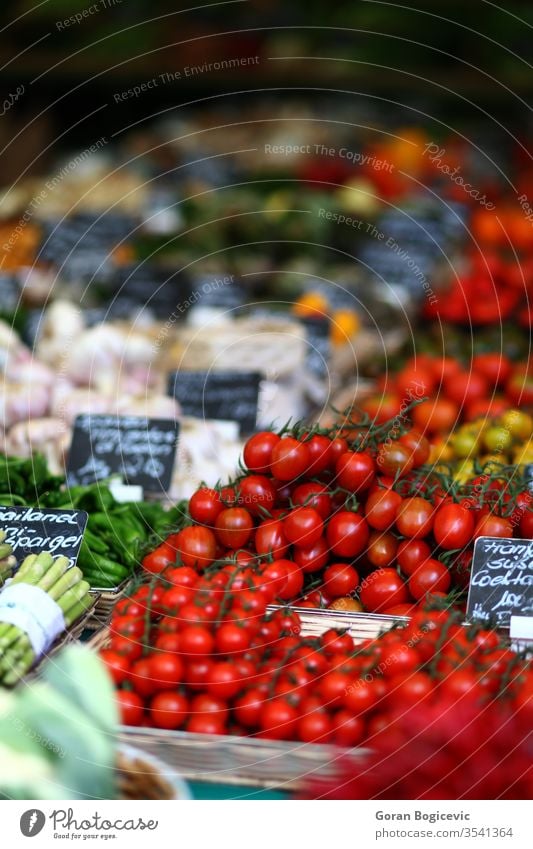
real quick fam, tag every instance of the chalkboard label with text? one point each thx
(223, 395)
(501, 583)
(142, 450)
(31, 530)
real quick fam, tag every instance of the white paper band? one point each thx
(33, 611)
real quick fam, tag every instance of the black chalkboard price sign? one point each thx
(501, 584)
(223, 395)
(142, 450)
(30, 530)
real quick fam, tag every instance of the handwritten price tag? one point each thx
(30, 530)
(141, 450)
(501, 583)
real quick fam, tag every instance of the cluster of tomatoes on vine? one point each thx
(349, 519)
(188, 653)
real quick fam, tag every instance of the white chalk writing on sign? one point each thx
(31, 531)
(141, 449)
(502, 579)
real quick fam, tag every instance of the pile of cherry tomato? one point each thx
(190, 652)
(355, 522)
(453, 391)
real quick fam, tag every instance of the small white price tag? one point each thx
(521, 633)
(122, 493)
(521, 627)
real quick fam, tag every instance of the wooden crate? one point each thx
(242, 761)
(107, 598)
(361, 626)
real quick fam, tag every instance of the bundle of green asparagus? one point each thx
(7, 560)
(63, 585)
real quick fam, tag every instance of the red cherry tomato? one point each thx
(319, 447)
(196, 546)
(495, 367)
(182, 576)
(453, 526)
(431, 577)
(315, 495)
(270, 539)
(347, 533)
(355, 471)
(234, 527)
(466, 387)
(196, 640)
(415, 518)
(131, 707)
(315, 727)
(276, 574)
(394, 459)
(347, 729)
(169, 710)
(290, 459)
(338, 446)
(303, 526)
(166, 670)
(340, 579)
(278, 719)
(159, 559)
(381, 508)
(382, 589)
(381, 549)
(257, 494)
(313, 558)
(257, 453)
(295, 581)
(204, 506)
(117, 664)
(418, 445)
(493, 526)
(411, 554)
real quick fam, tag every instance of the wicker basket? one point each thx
(107, 598)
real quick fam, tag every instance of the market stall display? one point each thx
(333, 336)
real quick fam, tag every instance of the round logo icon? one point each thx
(32, 822)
